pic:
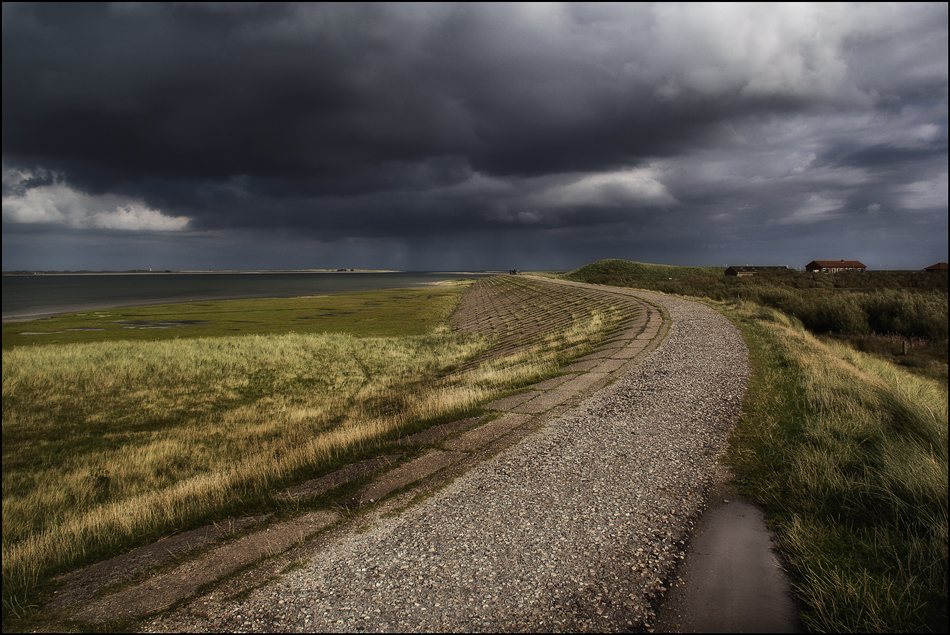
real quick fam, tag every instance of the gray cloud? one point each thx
(555, 133)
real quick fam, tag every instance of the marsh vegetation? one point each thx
(395, 312)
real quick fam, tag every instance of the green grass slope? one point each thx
(620, 273)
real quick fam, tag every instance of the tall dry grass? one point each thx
(108, 444)
(101, 441)
(849, 453)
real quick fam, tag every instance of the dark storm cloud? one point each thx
(885, 156)
(327, 98)
(352, 121)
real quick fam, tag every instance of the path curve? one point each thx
(576, 527)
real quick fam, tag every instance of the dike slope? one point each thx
(567, 508)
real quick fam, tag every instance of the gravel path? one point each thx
(575, 528)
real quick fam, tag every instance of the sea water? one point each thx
(41, 295)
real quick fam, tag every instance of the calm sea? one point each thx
(34, 296)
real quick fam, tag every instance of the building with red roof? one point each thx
(834, 266)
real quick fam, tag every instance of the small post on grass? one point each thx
(905, 346)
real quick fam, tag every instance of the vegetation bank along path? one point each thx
(576, 525)
(517, 312)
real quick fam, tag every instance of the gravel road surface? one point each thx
(577, 527)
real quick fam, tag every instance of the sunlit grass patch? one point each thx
(392, 312)
(123, 425)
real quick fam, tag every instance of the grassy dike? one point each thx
(117, 437)
(848, 452)
(114, 438)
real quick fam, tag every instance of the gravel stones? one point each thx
(577, 527)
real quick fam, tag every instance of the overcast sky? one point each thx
(456, 136)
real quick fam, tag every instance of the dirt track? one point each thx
(575, 526)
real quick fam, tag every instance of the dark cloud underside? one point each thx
(351, 121)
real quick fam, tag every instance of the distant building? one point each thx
(940, 266)
(834, 266)
(751, 271)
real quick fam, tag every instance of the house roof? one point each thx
(838, 263)
(940, 266)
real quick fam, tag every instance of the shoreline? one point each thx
(48, 307)
(108, 306)
(193, 271)
(231, 272)
(28, 274)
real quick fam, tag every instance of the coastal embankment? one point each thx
(568, 508)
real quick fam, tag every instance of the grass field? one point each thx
(112, 444)
(393, 312)
(848, 451)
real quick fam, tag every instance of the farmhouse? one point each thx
(834, 266)
(940, 266)
(751, 271)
